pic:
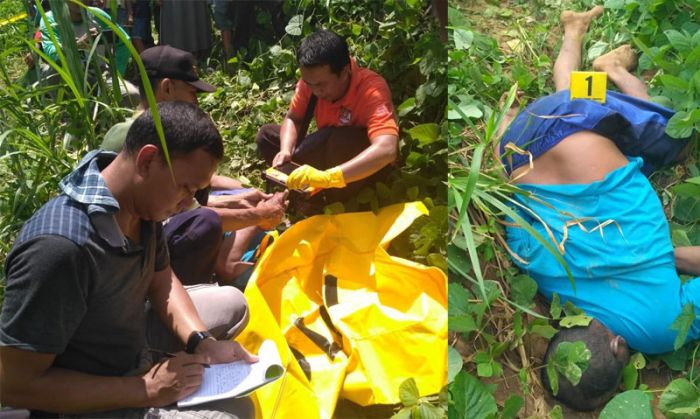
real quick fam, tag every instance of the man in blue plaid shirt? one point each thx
(74, 333)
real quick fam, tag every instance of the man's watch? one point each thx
(195, 339)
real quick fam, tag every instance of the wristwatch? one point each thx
(195, 339)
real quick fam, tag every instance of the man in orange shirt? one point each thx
(357, 135)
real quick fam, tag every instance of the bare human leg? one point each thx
(228, 263)
(569, 58)
(618, 63)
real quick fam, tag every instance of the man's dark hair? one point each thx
(142, 90)
(324, 47)
(599, 381)
(186, 128)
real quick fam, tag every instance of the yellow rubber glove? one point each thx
(305, 176)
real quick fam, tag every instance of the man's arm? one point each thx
(224, 182)
(255, 209)
(28, 380)
(382, 151)
(688, 260)
(175, 308)
(289, 132)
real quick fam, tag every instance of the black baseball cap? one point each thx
(165, 61)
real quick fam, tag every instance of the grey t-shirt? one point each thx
(73, 294)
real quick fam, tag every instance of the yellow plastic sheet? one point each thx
(349, 320)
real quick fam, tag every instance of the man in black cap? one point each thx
(195, 237)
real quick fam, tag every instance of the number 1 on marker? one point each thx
(588, 85)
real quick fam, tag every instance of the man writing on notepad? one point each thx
(90, 295)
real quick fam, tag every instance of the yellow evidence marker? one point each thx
(589, 85)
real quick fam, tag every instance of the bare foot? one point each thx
(577, 23)
(619, 57)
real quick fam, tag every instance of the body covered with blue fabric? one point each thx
(636, 126)
(620, 255)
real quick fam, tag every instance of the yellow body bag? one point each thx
(348, 319)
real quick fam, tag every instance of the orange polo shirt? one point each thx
(367, 103)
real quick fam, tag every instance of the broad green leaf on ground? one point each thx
(682, 324)
(523, 290)
(677, 360)
(680, 399)
(470, 398)
(555, 307)
(630, 375)
(463, 38)
(543, 330)
(511, 407)
(408, 392)
(454, 363)
(681, 124)
(556, 413)
(577, 320)
(630, 404)
(570, 359)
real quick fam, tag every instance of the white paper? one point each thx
(222, 381)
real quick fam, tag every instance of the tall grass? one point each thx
(45, 128)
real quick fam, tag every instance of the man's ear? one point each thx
(146, 157)
(166, 88)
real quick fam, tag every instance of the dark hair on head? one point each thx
(599, 381)
(142, 90)
(186, 128)
(324, 47)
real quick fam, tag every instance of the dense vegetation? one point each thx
(44, 130)
(497, 324)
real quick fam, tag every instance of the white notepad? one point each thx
(239, 378)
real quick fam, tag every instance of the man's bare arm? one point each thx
(173, 305)
(382, 151)
(27, 380)
(688, 260)
(289, 132)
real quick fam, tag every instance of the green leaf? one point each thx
(571, 360)
(295, 25)
(407, 106)
(428, 411)
(630, 404)
(463, 38)
(677, 360)
(629, 377)
(523, 289)
(556, 413)
(680, 125)
(680, 399)
(459, 297)
(679, 41)
(461, 324)
(577, 320)
(638, 361)
(511, 407)
(682, 324)
(425, 133)
(404, 413)
(555, 307)
(408, 392)
(454, 363)
(471, 398)
(543, 330)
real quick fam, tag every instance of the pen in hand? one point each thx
(165, 354)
